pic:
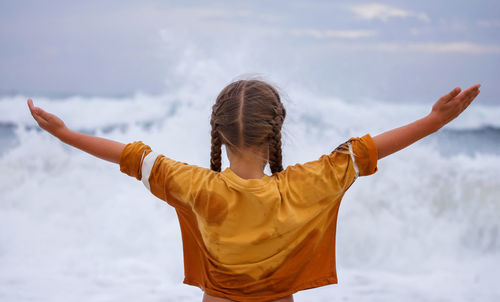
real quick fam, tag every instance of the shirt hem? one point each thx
(307, 285)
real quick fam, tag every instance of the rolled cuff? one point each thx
(131, 158)
(368, 162)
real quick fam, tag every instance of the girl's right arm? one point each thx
(100, 147)
(447, 108)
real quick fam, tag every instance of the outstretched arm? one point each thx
(100, 147)
(447, 108)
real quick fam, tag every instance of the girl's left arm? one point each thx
(100, 147)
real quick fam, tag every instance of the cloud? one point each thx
(488, 23)
(384, 12)
(343, 34)
(451, 47)
(436, 48)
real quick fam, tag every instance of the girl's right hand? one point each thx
(47, 121)
(449, 106)
(100, 147)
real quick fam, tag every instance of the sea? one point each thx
(424, 227)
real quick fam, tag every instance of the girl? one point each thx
(248, 236)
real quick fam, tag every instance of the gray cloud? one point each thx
(385, 12)
(119, 47)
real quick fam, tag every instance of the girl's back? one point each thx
(256, 238)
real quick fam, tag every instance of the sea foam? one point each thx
(425, 227)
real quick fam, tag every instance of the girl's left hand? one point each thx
(47, 121)
(451, 105)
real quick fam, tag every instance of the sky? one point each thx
(395, 51)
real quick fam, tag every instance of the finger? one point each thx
(30, 104)
(465, 95)
(471, 93)
(472, 97)
(468, 100)
(38, 119)
(31, 107)
(35, 113)
(34, 110)
(471, 89)
(447, 97)
(43, 114)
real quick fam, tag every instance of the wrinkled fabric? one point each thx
(257, 239)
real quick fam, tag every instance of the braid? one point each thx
(215, 153)
(275, 156)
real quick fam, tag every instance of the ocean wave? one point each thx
(476, 131)
(427, 210)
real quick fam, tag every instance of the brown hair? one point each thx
(247, 113)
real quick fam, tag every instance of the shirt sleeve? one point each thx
(172, 181)
(363, 154)
(132, 157)
(332, 174)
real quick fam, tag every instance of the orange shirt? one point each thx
(256, 239)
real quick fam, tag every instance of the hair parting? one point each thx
(247, 113)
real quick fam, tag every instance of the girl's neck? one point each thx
(247, 163)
